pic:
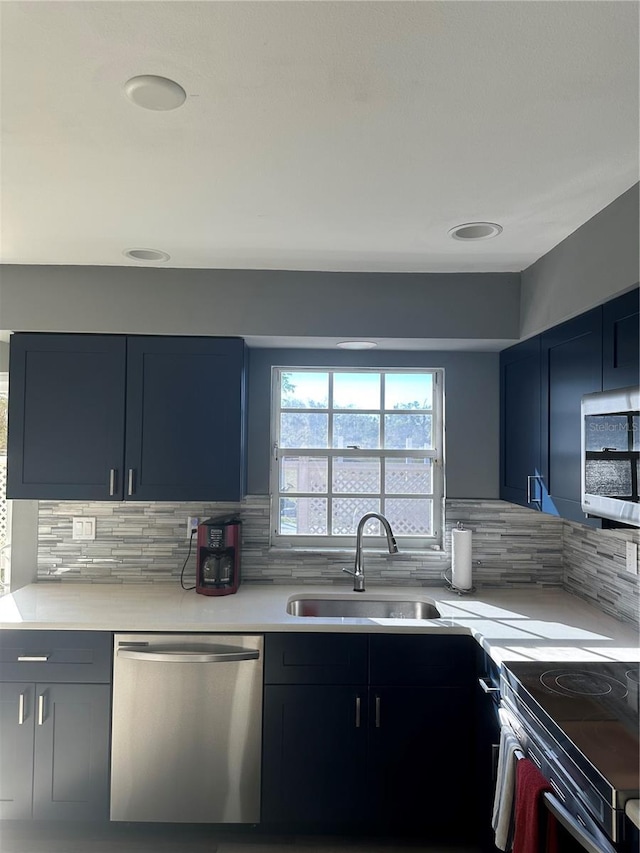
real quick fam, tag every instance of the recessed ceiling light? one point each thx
(357, 345)
(155, 93)
(475, 231)
(146, 255)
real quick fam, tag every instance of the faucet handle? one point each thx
(350, 572)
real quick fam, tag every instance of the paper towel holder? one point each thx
(448, 580)
(453, 588)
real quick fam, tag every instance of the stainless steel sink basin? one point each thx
(360, 607)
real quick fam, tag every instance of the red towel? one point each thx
(530, 812)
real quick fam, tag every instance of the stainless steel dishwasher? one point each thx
(187, 728)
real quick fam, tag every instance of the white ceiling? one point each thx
(316, 135)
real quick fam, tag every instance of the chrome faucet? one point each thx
(358, 570)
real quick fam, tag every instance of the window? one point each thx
(347, 442)
(5, 520)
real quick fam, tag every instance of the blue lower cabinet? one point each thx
(380, 756)
(314, 755)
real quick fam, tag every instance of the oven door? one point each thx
(563, 803)
(581, 827)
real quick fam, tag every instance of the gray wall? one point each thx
(472, 410)
(4, 357)
(595, 263)
(260, 302)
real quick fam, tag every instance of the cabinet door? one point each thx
(16, 750)
(621, 342)
(71, 756)
(185, 419)
(421, 760)
(520, 424)
(572, 367)
(66, 417)
(314, 755)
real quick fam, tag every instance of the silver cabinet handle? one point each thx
(41, 709)
(531, 500)
(21, 709)
(185, 656)
(112, 481)
(377, 712)
(357, 712)
(486, 687)
(33, 658)
(131, 484)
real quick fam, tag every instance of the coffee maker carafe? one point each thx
(218, 556)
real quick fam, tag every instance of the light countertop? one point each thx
(531, 623)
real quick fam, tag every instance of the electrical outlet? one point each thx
(632, 558)
(192, 524)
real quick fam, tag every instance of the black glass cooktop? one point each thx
(591, 707)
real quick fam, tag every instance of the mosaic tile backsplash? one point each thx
(512, 547)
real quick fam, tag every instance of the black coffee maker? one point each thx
(218, 556)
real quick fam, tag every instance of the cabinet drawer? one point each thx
(428, 661)
(315, 659)
(55, 656)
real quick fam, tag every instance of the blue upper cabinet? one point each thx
(571, 367)
(99, 417)
(66, 416)
(542, 382)
(520, 402)
(620, 341)
(185, 419)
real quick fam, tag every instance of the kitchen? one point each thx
(364, 274)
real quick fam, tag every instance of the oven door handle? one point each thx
(592, 840)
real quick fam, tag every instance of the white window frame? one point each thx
(437, 454)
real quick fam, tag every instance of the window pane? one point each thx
(356, 391)
(608, 477)
(356, 430)
(347, 512)
(408, 391)
(408, 477)
(304, 390)
(404, 432)
(304, 474)
(304, 516)
(610, 431)
(299, 429)
(410, 516)
(361, 475)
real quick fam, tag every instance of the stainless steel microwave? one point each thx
(611, 455)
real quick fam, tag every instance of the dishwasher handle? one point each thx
(186, 656)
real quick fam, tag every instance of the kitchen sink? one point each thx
(362, 607)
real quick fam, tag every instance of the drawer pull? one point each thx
(21, 709)
(486, 688)
(377, 712)
(41, 709)
(33, 658)
(357, 712)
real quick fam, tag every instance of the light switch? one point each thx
(84, 528)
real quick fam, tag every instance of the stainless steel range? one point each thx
(579, 723)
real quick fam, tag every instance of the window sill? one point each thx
(282, 550)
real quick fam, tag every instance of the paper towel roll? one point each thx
(461, 559)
